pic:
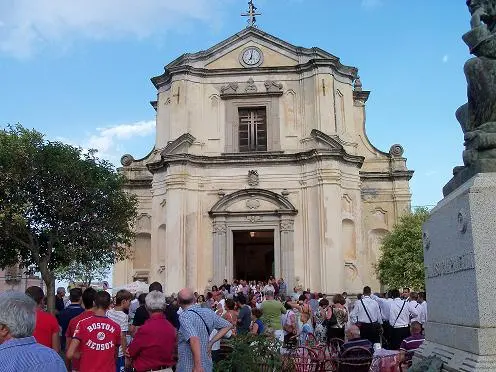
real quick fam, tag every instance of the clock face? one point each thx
(252, 56)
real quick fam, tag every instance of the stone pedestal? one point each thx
(460, 260)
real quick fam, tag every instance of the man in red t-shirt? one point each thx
(99, 338)
(47, 329)
(89, 306)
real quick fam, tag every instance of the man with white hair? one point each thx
(154, 345)
(19, 351)
(353, 339)
(60, 299)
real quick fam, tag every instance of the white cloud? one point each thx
(28, 25)
(110, 141)
(106, 138)
(445, 58)
(371, 4)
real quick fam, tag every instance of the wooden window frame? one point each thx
(252, 129)
(271, 105)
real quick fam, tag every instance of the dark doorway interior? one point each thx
(253, 254)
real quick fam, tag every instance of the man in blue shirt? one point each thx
(194, 343)
(19, 351)
(71, 311)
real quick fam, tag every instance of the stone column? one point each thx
(219, 251)
(287, 251)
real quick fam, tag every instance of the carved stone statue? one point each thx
(478, 116)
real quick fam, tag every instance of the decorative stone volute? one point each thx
(126, 160)
(230, 88)
(273, 86)
(396, 151)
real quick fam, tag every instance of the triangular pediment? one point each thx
(320, 140)
(225, 55)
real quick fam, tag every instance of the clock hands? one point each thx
(251, 57)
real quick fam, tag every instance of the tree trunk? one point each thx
(49, 280)
(51, 295)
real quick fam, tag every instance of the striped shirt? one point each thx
(121, 318)
(25, 355)
(411, 344)
(197, 322)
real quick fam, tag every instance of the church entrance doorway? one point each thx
(253, 253)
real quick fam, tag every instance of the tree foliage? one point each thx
(59, 206)
(402, 260)
(253, 353)
(84, 272)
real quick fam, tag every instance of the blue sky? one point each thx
(79, 71)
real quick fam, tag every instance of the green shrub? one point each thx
(252, 353)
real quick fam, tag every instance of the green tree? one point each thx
(84, 272)
(59, 205)
(402, 260)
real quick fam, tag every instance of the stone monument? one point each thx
(459, 241)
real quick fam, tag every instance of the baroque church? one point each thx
(262, 166)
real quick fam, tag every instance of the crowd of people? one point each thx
(151, 332)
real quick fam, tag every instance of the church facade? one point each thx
(262, 167)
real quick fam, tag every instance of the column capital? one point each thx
(220, 228)
(287, 225)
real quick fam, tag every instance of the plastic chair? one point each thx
(355, 359)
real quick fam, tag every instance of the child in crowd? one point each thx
(118, 314)
(257, 326)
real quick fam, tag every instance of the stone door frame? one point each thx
(280, 220)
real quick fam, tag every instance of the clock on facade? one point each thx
(251, 57)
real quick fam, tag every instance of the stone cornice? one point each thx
(140, 183)
(328, 140)
(335, 65)
(184, 139)
(361, 95)
(270, 158)
(395, 175)
(250, 95)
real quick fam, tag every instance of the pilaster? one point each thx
(287, 250)
(220, 250)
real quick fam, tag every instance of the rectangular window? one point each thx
(252, 129)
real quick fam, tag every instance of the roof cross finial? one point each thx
(251, 14)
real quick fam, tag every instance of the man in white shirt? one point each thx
(367, 315)
(422, 318)
(385, 307)
(415, 306)
(399, 319)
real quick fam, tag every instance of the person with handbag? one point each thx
(337, 317)
(288, 321)
(399, 318)
(320, 321)
(367, 316)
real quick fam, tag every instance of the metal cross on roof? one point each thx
(251, 14)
